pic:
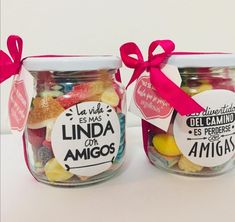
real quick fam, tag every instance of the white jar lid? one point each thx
(202, 60)
(70, 63)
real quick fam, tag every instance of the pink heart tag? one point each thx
(19, 100)
(18, 105)
(150, 104)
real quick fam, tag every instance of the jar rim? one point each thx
(71, 63)
(202, 60)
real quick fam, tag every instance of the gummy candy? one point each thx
(165, 144)
(188, 166)
(55, 172)
(110, 97)
(44, 155)
(44, 110)
(122, 136)
(166, 161)
(51, 93)
(198, 89)
(36, 136)
(80, 93)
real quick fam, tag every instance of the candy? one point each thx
(47, 144)
(83, 178)
(36, 136)
(221, 83)
(49, 128)
(67, 87)
(188, 166)
(55, 172)
(165, 144)
(44, 155)
(51, 93)
(43, 112)
(121, 149)
(198, 89)
(81, 92)
(110, 97)
(45, 79)
(165, 161)
(57, 87)
(38, 167)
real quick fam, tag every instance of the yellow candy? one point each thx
(55, 172)
(198, 89)
(166, 145)
(188, 166)
(110, 97)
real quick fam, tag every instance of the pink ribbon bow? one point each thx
(11, 65)
(167, 89)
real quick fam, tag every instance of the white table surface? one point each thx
(139, 193)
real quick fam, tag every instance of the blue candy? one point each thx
(121, 150)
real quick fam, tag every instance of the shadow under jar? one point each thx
(75, 130)
(201, 144)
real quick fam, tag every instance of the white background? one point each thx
(100, 27)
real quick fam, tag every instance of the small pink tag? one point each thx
(18, 104)
(148, 101)
(19, 100)
(148, 104)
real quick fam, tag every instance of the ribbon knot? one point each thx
(11, 65)
(167, 89)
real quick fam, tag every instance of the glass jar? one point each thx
(75, 131)
(201, 144)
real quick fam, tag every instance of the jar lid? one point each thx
(202, 60)
(71, 63)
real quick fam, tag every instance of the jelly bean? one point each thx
(44, 155)
(51, 93)
(110, 97)
(165, 161)
(36, 136)
(166, 145)
(55, 172)
(188, 166)
(43, 112)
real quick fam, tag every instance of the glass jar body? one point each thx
(73, 119)
(199, 144)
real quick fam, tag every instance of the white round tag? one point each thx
(208, 138)
(85, 138)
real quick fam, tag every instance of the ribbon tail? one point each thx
(137, 72)
(118, 76)
(176, 97)
(145, 127)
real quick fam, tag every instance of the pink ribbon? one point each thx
(167, 89)
(11, 65)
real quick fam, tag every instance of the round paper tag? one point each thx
(208, 138)
(86, 137)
